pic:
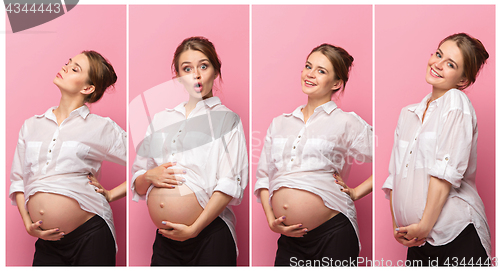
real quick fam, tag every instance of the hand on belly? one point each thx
(56, 211)
(300, 207)
(177, 205)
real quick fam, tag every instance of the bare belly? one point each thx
(300, 207)
(57, 211)
(178, 205)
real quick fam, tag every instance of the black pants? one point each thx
(92, 243)
(465, 250)
(333, 240)
(213, 246)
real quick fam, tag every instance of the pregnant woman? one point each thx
(192, 165)
(55, 154)
(436, 210)
(306, 155)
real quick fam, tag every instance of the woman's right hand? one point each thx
(48, 235)
(290, 231)
(164, 177)
(400, 237)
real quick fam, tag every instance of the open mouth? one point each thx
(309, 83)
(198, 87)
(435, 74)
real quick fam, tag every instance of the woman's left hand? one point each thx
(413, 232)
(93, 181)
(177, 231)
(346, 189)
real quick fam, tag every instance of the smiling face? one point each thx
(445, 69)
(73, 77)
(196, 73)
(318, 77)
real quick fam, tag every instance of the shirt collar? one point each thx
(210, 102)
(327, 107)
(83, 111)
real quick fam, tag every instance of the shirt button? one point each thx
(54, 139)
(47, 163)
(174, 140)
(446, 158)
(173, 154)
(238, 179)
(294, 147)
(50, 151)
(410, 152)
(415, 138)
(299, 136)
(180, 131)
(292, 159)
(406, 165)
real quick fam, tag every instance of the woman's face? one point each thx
(196, 73)
(318, 77)
(446, 67)
(73, 77)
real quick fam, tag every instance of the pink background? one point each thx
(282, 37)
(405, 37)
(33, 58)
(155, 32)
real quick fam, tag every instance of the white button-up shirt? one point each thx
(56, 159)
(209, 144)
(304, 155)
(444, 145)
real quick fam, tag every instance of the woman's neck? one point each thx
(193, 101)
(312, 104)
(437, 93)
(66, 106)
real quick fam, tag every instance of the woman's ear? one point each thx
(337, 84)
(462, 83)
(89, 89)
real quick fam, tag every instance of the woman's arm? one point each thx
(276, 224)
(180, 232)
(161, 176)
(359, 192)
(116, 193)
(34, 229)
(436, 198)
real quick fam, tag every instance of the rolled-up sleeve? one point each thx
(16, 172)
(233, 164)
(141, 164)
(262, 174)
(118, 151)
(361, 148)
(454, 144)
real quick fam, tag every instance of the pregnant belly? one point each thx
(57, 211)
(178, 205)
(300, 207)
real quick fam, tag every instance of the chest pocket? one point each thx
(277, 148)
(196, 147)
(72, 156)
(426, 150)
(319, 152)
(400, 155)
(32, 155)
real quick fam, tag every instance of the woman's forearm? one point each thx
(394, 225)
(141, 184)
(118, 192)
(364, 188)
(436, 198)
(268, 210)
(217, 203)
(22, 210)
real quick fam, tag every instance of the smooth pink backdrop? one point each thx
(282, 37)
(33, 57)
(155, 32)
(405, 37)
